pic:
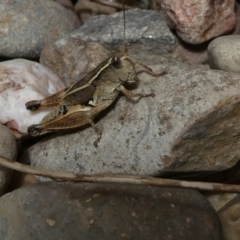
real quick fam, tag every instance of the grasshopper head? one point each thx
(124, 67)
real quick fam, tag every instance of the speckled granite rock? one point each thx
(53, 211)
(145, 30)
(8, 149)
(27, 25)
(190, 125)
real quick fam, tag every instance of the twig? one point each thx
(116, 178)
(112, 4)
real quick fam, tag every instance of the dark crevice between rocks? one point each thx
(2, 59)
(229, 175)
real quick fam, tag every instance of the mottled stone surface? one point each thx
(145, 30)
(237, 12)
(197, 21)
(53, 211)
(191, 124)
(193, 54)
(87, 9)
(8, 149)
(72, 58)
(230, 219)
(22, 81)
(68, 4)
(27, 25)
(224, 52)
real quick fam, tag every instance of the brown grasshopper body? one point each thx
(78, 104)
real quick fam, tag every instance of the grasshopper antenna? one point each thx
(124, 30)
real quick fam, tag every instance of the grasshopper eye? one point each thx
(117, 63)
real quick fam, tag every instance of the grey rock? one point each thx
(8, 149)
(223, 53)
(145, 31)
(27, 25)
(72, 58)
(70, 211)
(190, 125)
(86, 9)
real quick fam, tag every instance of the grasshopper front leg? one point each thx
(149, 71)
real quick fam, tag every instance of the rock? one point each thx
(223, 53)
(72, 58)
(230, 219)
(190, 125)
(86, 9)
(69, 6)
(102, 211)
(218, 200)
(8, 149)
(198, 21)
(21, 81)
(28, 25)
(145, 30)
(229, 175)
(237, 25)
(66, 3)
(193, 54)
(20, 179)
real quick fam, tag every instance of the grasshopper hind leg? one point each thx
(64, 117)
(35, 130)
(33, 105)
(51, 101)
(97, 130)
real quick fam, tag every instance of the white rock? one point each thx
(22, 81)
(224, 52)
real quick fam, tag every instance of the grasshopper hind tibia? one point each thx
(33, 105)
(35, 130)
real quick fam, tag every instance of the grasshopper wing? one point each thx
(82, 91)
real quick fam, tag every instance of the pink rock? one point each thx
(22, 81)
(197, 21)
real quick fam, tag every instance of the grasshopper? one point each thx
(77, 105)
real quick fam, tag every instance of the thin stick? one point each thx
(115, 178)
(124, 30)
(113, 4)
